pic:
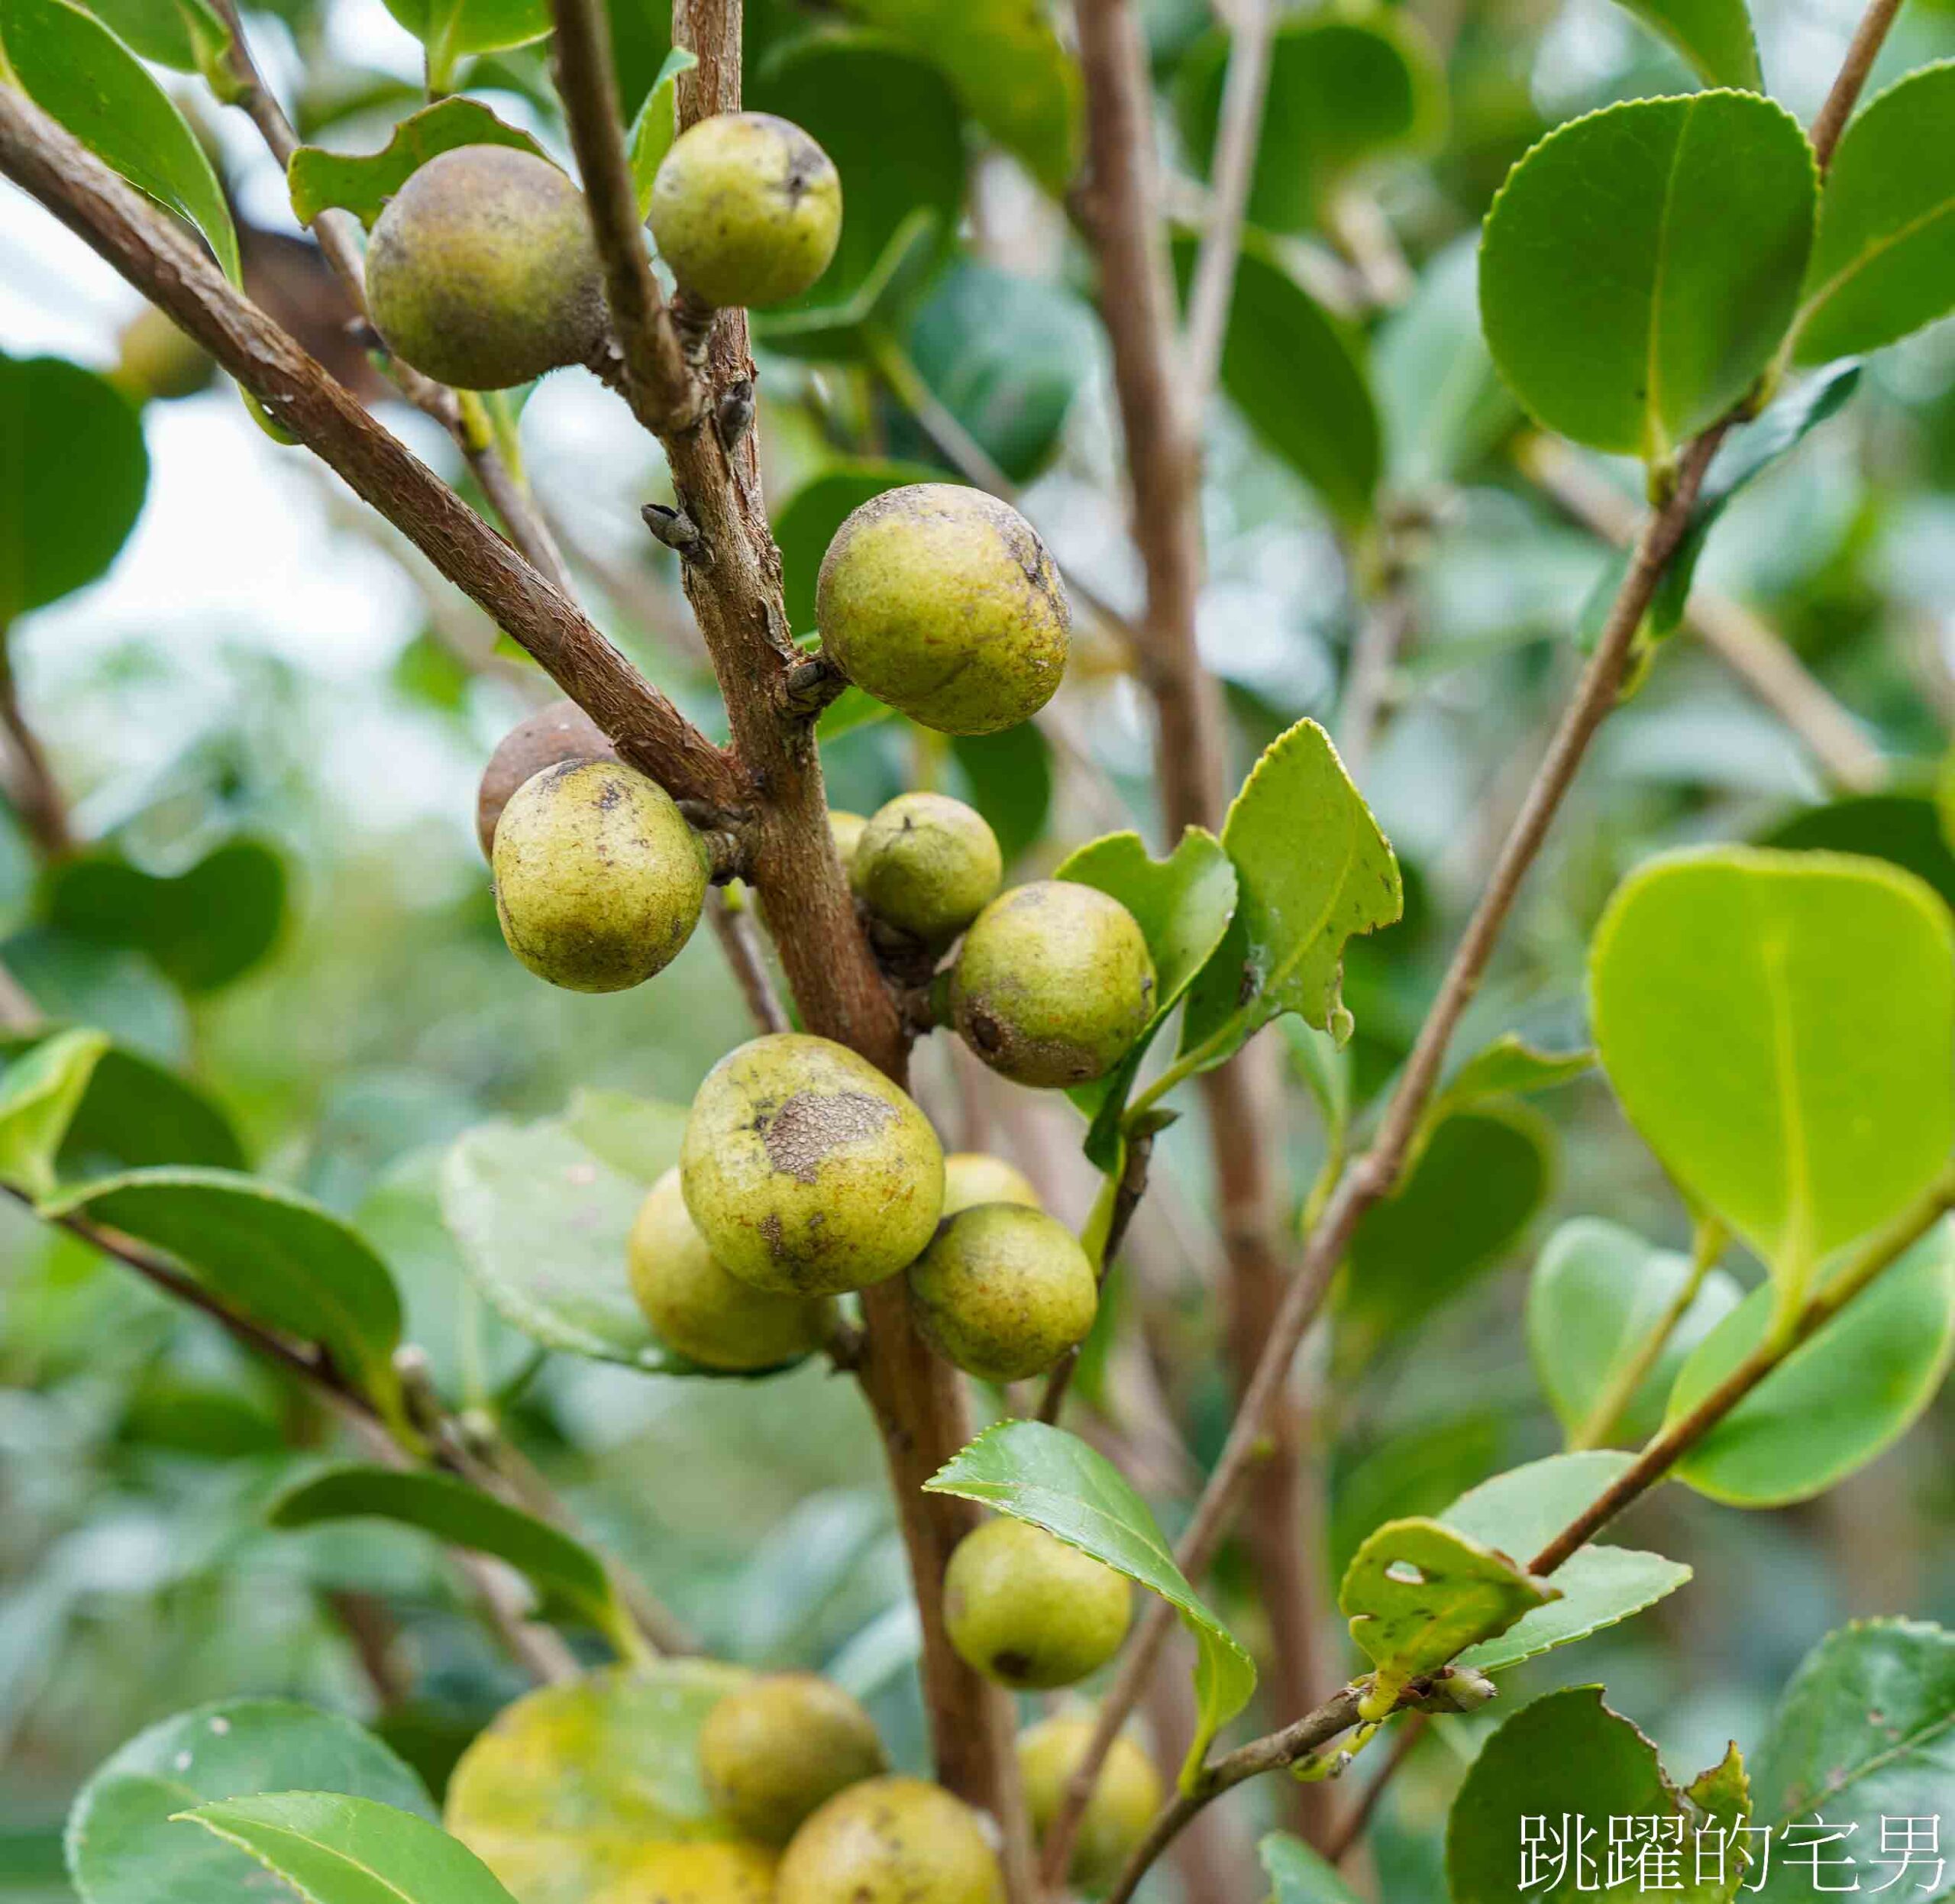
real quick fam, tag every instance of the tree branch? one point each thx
(32, 787)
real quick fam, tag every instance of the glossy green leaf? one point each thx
(1417, 1593)
(1883, 263)
(807, 521)
(1012, 73)
(1518, 1513)
(77, 71)
(274, 1255)
(1715, 36)
(1298, 1876)
(1865, 1732)
(40, 1092)
(1510, 1066)
(1830, 1105)
(1053, 1480)
(1640, 266)
(450, 30)
(1312, 869)
(1008, 777)
(124, 1848)
(363, 182)
(1298, 378)
(1345, 89)
(568, 1578)
(334, 1850)
(1838, 1401)
(190, 35)
(1567, 1758)
(135, 1114)
(204, 927)
(562, 1796)
(74, 471)
(1183, 904)
(1597, 1293)
(1904, 828)
(657, 125)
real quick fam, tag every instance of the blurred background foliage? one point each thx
(264, 719)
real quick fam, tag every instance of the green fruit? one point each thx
(598, 880)
(806, 1170)
(560, 731)
(847, 828)
(715, 1872)
(746, 209)
(1053, 983)
(700, 1310)
(943, 602)
(891, 1840)
(1004, 1291)
(157, 361)
(482, 272)
(927, 865)
(781, 1746)
(1125, 1795)
(972, 1177)
(1023, 1608)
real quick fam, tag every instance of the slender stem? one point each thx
(1351, 1826)
(741, 943)
(34, 790)
(1864, 49)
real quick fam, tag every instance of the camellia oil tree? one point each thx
(1691, 281)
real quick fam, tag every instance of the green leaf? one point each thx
(807, 521)
(564, 1793)
(450, 30)
(190, 35)
(135, 1114)
(1298, 1876)
(1598, 1292)
(124, 1848)
(567, 1576)
(638, 1137)
(1298, 378)
(363, 182)
(77, 71)
(1883, 263)
(1011, 71)
(1865, 1732)
(269, 1251)
(1183, 904)
(657, 125)
(1640, 266)
(1715, 36)
(1312, 869)
(1510, 1066)
(204, 927)
(1566, 1761)
(1830, 1107)
(1053, 1480)
(1904, 829)
(1518, 1513)
(1009, 777)
(1838, 1400)
(39, 1093)
(1344, 91)
(1418, 1593)
(74, 471)
(335, 1850)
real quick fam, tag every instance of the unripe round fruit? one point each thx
(847, 828)
(781, 1746)
(598, 880)
(943, 602)
(1004, 1291)
(1125, 1795)
(891, 1840)
(700, 1310)
(482, 272)
(1023, 1608)
(746, 209)
(927, 865)
(1053, 983)
(972, 1177)
(157, 361)
(806, 1170)
(560, 731)
(714, 1871)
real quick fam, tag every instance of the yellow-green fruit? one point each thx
(156, 360)
(972, 1177)
(700, 1310)
(891, 1840)
(1004, 1291)
(943, 602)
(598, 880)
(746, 209)
(710, 1873)
(806, 1170)
(560, 731)
(1053, 983)
(781, 1746)
(482, 272)
(1026, 1610)
(847, 828)
(1125, 1795)
(927, 865)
